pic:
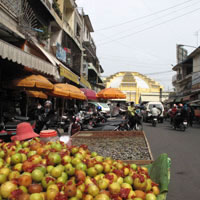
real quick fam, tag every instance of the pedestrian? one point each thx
(116, 110)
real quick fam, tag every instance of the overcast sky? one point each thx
(141, 35)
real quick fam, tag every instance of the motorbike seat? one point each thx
(10, 127)
(22, 118)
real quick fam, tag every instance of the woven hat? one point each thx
(24, 132)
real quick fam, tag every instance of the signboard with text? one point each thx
(61, 53)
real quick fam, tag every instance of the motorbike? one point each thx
(182, 125)
(126, 126)
(154, 121)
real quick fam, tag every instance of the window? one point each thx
(78, 31)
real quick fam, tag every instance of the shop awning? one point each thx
(186, 98)
(85, 82)
(178, 99)
(92, 67)
(14, 54)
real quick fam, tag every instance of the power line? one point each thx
(174, 18)
(143, 17)
(110, 58)
(163, 72)
(154, 73)
(168, 14)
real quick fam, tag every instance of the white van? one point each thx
(149, 106)
(104, 106)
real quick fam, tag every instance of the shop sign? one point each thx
(85, 82)
(61, 53)
(68, 74)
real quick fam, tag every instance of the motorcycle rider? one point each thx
(173, 113)
(155, 112)
(180, 116)
(131, 114)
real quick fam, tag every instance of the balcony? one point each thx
(48, 4)
(90, 47)
(12, 6)
(68, 29)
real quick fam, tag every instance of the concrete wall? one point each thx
(196, 63)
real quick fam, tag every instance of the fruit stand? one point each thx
(132, 145)
(128, 146)
(38, 170)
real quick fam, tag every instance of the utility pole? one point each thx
(160, 94)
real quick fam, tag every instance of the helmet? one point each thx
(174, 105)
(98, 108)
(47, 102)
(180, 105)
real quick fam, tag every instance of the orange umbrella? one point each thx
(111, 93)
(33, 81)
(36, 94)
(67, 91)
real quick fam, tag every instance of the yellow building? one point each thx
(134, 85)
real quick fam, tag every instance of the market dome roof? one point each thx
(130, 79)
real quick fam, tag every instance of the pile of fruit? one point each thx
(34, 170)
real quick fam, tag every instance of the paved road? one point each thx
(184, 150)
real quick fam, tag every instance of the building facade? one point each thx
(187, 79)
(49, 31)
(137, 87)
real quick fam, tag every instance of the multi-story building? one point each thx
(187, 78)
(91, 66)
(49, 31)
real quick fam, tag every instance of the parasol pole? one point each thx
(62, 110)
(27, 98)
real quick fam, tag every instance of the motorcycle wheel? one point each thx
(138, 127)
(182, 127)
(154, 124)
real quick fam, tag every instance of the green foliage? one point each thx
(43, 36)
(57, 8)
